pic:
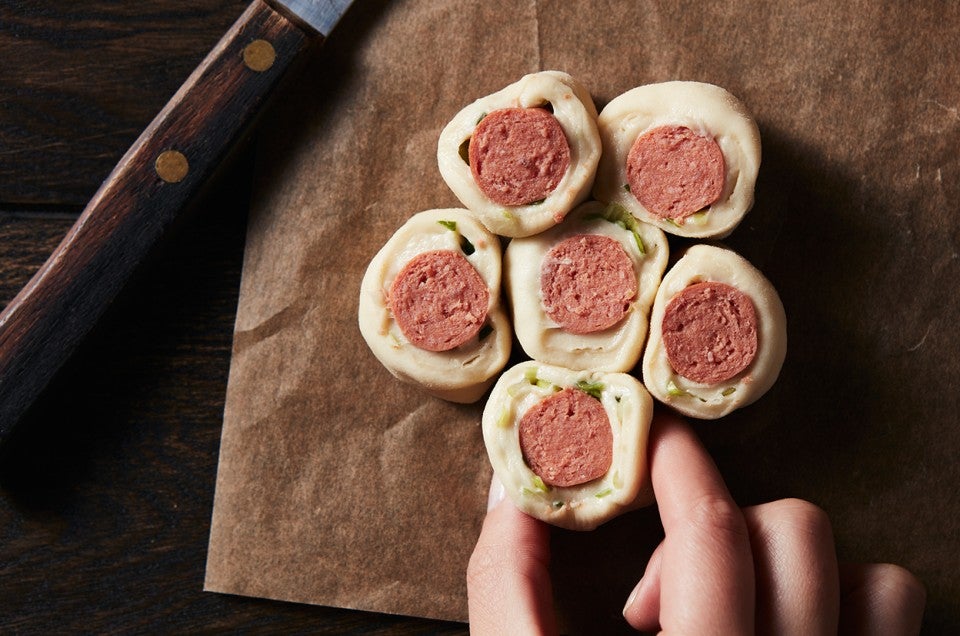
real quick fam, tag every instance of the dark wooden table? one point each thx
(106, 489)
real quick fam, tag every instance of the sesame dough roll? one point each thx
(683, 156)
(718, 334)
(569, 447)
(581, 292)
(521, 158)
(430, 307)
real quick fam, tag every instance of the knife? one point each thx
(156, 179)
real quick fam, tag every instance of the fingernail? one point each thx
(497, 493)
(633, 595)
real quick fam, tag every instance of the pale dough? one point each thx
(625, 486)
(462, 374)
(615, 349)
(710, 263)
(574, 110)
(703, 108)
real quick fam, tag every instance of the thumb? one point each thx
(508, 580)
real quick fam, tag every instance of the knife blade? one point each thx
(151, 184)
(320, 15)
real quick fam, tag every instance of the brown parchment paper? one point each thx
(340, 486)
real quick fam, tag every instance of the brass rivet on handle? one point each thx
(259, 55)
(172, 166)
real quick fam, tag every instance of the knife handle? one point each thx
(152, 183)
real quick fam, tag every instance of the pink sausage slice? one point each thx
(710, 332)
(587, 282)
(439, 300)
(566, 439)
(518, 155)
(674, 172)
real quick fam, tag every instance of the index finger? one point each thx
(707, 575)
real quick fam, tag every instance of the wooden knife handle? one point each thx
(152, 183)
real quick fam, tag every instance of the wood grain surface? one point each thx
(154, 181)
(107, 488)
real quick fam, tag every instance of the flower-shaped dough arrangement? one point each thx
(585, 282)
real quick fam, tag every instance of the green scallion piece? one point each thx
(593, 389)
(531, 377)
(465, 245)
(675, 391)
(619, 215)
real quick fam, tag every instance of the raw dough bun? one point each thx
(617, 348)
(705, 109)
(574, 110)
(705, 401)
(625, 486)
(462, 374)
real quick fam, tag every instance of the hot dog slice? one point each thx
(587, 282)
(675, 172)
(430, 307)
(519, 155)
(523, 157)
(439, 300)
(566, 438)
(581, 292)
(683, 156)
(710, 332)
(569, 447)
(718, 334)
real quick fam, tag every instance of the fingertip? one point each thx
(665, 422)
(497, 493)
(642, 609)
(880, 598)
(513, 530)
(681, 470)
(508, 580)
(707, 544)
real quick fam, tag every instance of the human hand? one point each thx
(720, 569)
